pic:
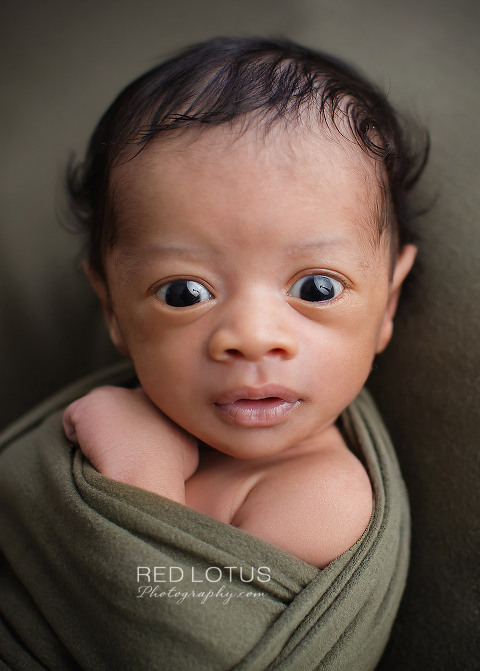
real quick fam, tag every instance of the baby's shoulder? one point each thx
(315, 505)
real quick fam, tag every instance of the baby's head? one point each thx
(248, 234)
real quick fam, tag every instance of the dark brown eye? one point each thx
(183, 293)
(316, 288)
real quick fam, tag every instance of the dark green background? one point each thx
(62, 63)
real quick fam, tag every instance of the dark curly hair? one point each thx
(228, 80)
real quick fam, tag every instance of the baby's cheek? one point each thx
(165, 376)
(340, 362)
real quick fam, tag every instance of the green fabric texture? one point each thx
(72, 542)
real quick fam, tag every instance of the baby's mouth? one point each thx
(262, 407)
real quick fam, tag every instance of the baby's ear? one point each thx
(100, 287)
(403, 265)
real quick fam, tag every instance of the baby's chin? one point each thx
(250, 444)
(261, 443)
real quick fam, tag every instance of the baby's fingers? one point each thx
(69, 423)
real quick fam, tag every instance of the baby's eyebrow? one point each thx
(159, 250)
(342, 246)
(322, 244)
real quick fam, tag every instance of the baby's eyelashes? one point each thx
(316, 288)
(183, 293)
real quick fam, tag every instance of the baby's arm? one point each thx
(315, 507)
(126, 438)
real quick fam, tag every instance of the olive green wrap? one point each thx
(99, 575)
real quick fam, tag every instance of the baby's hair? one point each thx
(230, 80)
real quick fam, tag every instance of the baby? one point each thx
(245, 204)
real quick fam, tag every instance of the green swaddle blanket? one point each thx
(98, 575)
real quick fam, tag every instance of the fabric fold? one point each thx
(100, 575)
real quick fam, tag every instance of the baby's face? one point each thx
(248, 284)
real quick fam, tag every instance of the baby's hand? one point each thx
(127, 438)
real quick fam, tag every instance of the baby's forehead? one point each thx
(290, 148)
(294, 158)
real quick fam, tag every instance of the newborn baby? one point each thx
(245, 207)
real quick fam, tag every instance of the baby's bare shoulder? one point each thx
(315, 505)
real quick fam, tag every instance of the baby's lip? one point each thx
(270, 391)
(257, 407)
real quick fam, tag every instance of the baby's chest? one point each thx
(220, 485)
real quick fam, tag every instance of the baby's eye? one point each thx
(182, 293)
(316, 288)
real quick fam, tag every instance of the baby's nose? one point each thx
(253, 332)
